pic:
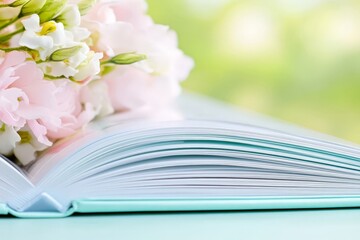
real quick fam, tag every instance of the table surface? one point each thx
(320, 224)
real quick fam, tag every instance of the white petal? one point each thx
(96, 93)
(71, 15)
(25, 153)
(32, 23)
(43, 44)
(81, 56)
(80, 33)
(91, 68)
(59, 35)
(8, 140)
(34, 41)
(58, 69)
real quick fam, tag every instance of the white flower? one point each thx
(82, 65)
(66, 68)
(89, 67)
(8, 139)
(52, 36)
(25, 150)
(43, 38)
(58, 69)
(96, 93)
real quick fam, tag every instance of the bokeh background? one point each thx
(297, 60)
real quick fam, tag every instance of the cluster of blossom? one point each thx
(63, 63)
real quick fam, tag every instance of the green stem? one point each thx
(15, 49)
(7, 37)
(105, 62)
(3, 5)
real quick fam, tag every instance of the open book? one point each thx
(201, 155)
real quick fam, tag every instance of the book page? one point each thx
(194, 106)
(188, 108)
(13, 181)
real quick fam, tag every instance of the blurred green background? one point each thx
(298, 60)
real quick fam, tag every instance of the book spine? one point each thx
(93, 205)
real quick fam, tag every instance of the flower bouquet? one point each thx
(65, 63)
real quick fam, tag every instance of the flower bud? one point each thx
(18, 3)
(51, 9)
(8, 13)
(85, 6)
(70, 16)
(127, 58)
(64, 53)
(32, 6)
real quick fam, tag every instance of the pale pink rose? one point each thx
(40, 112)
(96, 95)
(50, 109)
(131, 88)
(123, 26)
(46, 110)
(27, 96)
(75, 112)
(127, 11)
(11, 98)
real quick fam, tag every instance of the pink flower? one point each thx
(26, 111)
(123, 26)
(11, 98)
(40, 108)
(131, 88)
(48, 109)
(75, 113)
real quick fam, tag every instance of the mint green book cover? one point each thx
(181, 205)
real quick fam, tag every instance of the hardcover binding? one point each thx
(179, 205)
(43, 203)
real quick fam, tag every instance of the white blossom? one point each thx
(89, 67)
(8, 139)
(25, 150)
(96, 93)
